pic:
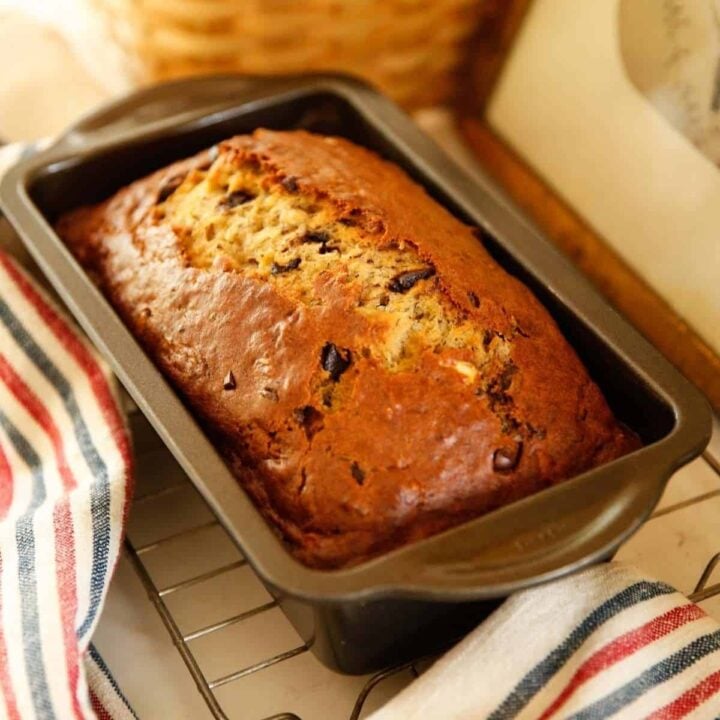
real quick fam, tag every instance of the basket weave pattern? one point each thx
(408, 48)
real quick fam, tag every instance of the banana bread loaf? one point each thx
(370, 373)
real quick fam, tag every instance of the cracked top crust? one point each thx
(370, 373)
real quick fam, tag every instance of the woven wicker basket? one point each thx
(409, 48)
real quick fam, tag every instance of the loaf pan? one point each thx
(413, 599)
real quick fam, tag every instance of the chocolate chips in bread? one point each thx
(370, 373)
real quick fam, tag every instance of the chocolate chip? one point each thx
(334, 361)
(310, 419)
(497, 388)
(384, 300)
(322, 238)
(278, 269)
(507, 374)
(229, 381)
(235, 198)
(474, 299)
(316, 236)
(169, 187)
(351, 218)
(290, 184)
(506, 459)
(324, 249)
(405, 281)
(357, 473)
(270, 393)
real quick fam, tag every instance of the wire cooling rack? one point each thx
(686, 503)
(183, 639)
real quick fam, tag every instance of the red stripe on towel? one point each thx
(622, 647)
(8, 691)
(67, 594)
(6, 484)
(37, 410)
(62, 523)
(85, 360)
(689, 700)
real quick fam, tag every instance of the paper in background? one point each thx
(671, 51)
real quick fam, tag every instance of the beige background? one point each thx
(566, 104)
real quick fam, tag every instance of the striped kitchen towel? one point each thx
(606, 643)
(65, 484)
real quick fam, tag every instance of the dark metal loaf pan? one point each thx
(410, 600)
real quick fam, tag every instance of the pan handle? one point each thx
(559, 530)
(154, 109)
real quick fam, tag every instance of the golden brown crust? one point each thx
(395, 452)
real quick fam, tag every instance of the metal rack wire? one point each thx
(207, 686)
(702, 590)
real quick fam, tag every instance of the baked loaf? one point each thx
(370, 373)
